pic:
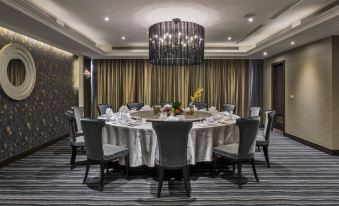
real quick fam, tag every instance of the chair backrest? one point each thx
(255, 111)
(135, 105)
(102, 108)
(269, 116)
(201, 105)
(162, 104)
(78, 114)
(92, 129)
(72, 126)
(172, 142)
(229, 108)
(248, 129)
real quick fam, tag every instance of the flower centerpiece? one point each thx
(156, 109)
(176, 108)
(195, 96)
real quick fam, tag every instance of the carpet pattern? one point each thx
(299, 175)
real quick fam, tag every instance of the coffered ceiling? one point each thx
(82, 22)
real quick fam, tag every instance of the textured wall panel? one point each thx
(40, 117)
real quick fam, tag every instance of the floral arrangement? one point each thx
(196, 95)
(176, 108)
(166, 108)
(156, 109)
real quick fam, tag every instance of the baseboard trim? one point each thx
(30, 151)
(312, 145)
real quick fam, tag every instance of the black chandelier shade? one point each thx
(176, 43)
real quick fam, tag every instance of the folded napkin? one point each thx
(172, 118)
(146, 108)
(123, 109)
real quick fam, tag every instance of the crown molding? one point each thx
(291, 31)
(35, 12)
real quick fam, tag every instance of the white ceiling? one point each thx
(132, 18)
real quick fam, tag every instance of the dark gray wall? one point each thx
(39, 118)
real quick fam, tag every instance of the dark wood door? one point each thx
(278, 95)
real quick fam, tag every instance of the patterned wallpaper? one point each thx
(39, 118)
(308, 77)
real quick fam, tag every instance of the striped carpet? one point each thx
(299, 175)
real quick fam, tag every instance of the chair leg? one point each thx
(214, 164)
(102, 174)
(239, 174)
(254, 170)
(160, 179)
(185, 172)
(87, 170)
(107, 168)
(233, 166)
(73, 157)
(127, 166)
(266, 156)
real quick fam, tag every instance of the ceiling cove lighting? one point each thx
(176, 43)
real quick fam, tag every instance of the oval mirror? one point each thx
(16, 72)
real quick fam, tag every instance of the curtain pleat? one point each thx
(235, 81)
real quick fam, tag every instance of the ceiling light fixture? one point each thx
(123, 37)
(265, 53)
(292, 42)
(106, 18)
(250, 17)
(176, 43)
(229, 38)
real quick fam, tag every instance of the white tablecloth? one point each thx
(141, 141)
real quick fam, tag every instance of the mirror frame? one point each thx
(17, 51)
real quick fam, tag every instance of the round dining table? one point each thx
(141, 139)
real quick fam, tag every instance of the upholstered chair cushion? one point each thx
(172, 143)
(201, 105)
(78, 114)
(103, 107)
(229, 108)
(135, 105)
(255, 111)
(113, 152)
(228, 150)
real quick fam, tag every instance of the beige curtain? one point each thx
(16, 72)
(119, 81)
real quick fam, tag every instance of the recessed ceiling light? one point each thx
(106, 18)
(229, 38)
(265, 53)
(123, 37)
(292, 42)
(250, 19)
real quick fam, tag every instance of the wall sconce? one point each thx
(87, 74)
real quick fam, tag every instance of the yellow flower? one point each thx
(197, 94)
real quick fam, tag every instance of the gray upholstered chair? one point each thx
(263, 138)
(255, 111)
(201, 105)
(229, 108)
(242, 152)
(103, 107)
(172, 144)
(78, 114)
(135, 105)
(162, 104)
(76, 140)
(96, 151)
